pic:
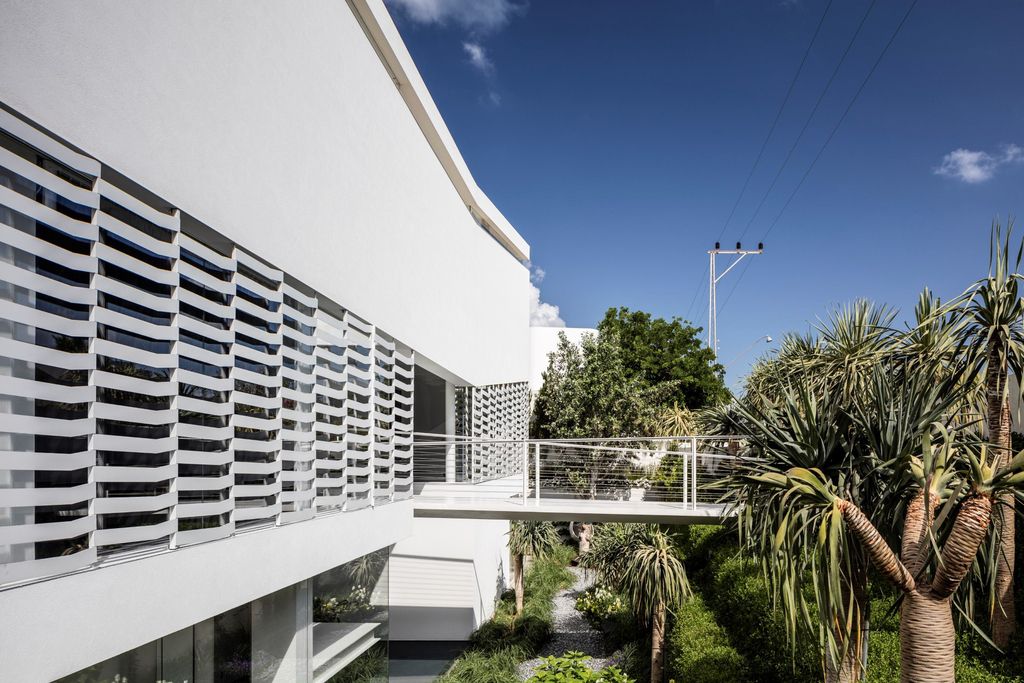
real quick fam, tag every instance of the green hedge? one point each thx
(736, 593)
(499, 645)
(698, 650)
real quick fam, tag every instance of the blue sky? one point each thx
(616, 137)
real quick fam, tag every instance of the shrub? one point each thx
(740, 599)
(698, 650)
(572, 668)
(599, 602)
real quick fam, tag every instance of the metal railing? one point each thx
(681, 470)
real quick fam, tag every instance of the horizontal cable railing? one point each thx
(682, 470)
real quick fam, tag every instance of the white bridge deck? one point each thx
(494, 500)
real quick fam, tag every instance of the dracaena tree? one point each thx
(818, 507)
(991, 334)
(528, 538)
(644, 562)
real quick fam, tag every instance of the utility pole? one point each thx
(740, 254)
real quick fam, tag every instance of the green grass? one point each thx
(499, 645)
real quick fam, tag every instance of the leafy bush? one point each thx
(737, 595)
(698, 650)
(599, 602)
(572, 668)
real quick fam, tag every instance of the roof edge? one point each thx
(383, 34)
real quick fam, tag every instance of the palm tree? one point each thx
(933, 494)
(643, 562)
(535, 539)
(993, 337)
(676, 421)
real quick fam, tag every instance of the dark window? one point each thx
(128, 459)
(202, 445)
(254, 434)
(202, 419)
(297, 326)
(202, 393)
(132, 519)
(203, 316)
(257, 322)
(188, 470)
(201, 368)
(52, 375)
(130, 369)
(254, 411)
(138, 341)
(206, 266)
(61, 444)
(61, 411)
(45, 161)
(132, 429)
(131, 399)
(255, 389)
(65, 309)
(256, 344)
(45, 232)
(305, 349)
(255, 456)
(252, 366)
(134, 310)
(135, 251)
(133, 219)
(135, 280)
(203, 342)
(204, 291)
(46, 514)
(132, 489)
(258, 278)
(44, 196)
(208, 522)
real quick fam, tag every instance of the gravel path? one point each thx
(572, 631)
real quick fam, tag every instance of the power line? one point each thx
(775, 122)
(697, 290)
(764, 144)
(892, 38)
(810, 116)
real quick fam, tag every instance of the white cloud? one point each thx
(972, 166)
(478, 57)
(479, 16)
(543, 314)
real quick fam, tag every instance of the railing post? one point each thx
(526, 471)
(693, 478)
(686, 474)
(536, 472)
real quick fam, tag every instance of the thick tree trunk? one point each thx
(927, 639)
(1004, 621)
(518, 581)
(658, 644)
(849, 669)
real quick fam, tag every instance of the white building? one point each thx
(241, 261)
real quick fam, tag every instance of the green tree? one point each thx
(643, 561)
(658, 351)
(533, 539)
(587, 394)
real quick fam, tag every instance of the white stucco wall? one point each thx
(54, 628)
(544, 340)
(279, 126)
(446, 578)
